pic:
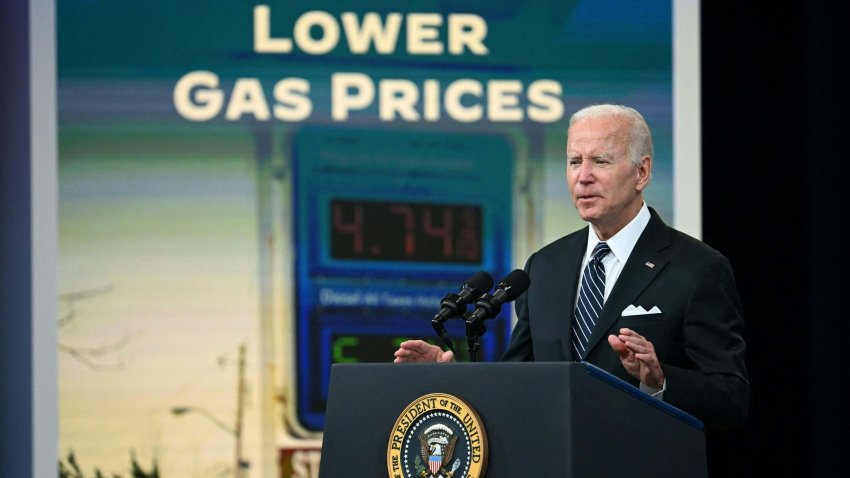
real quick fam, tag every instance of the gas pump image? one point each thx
(385, 223)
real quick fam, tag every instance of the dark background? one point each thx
(774, 174)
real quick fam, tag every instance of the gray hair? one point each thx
(640, 138)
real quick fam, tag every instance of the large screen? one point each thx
(309, 180)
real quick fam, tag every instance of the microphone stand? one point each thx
(450, 302)
(438, 326)
(474, 331)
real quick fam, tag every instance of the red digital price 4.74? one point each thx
(403, 231)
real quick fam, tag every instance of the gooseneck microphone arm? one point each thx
(454, 305)
(442, 333)
(474, 331)
(488, 306)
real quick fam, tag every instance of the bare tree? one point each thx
(96, 358)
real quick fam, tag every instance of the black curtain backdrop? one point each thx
(774, 179)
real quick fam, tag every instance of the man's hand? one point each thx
(421, 351)
(638, 357)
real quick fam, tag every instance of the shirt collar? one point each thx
(624, 240)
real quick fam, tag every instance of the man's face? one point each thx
(605, 184)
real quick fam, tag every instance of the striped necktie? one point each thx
(590, 299)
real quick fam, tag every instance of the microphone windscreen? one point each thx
(515, 283)
(481, 282)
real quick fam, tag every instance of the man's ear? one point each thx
(644, 172)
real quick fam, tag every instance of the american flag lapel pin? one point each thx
(649, 264)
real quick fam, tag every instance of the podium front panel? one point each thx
(541, 419)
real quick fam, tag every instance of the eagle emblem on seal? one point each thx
(437, 444)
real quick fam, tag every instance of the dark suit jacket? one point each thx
(697, 336)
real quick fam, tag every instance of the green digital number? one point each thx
(340, 344)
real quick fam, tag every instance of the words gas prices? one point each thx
(203, 95)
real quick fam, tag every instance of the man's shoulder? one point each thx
(691, 244)
(559, 246)
(658, 234)
(693, 253)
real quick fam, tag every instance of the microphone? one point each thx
(507, 290)
(454, 305)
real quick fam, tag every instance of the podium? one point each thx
(562, 419)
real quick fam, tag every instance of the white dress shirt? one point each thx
(621, 245)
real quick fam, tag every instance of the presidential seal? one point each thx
(437, 435)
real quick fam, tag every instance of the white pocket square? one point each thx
(639, 310)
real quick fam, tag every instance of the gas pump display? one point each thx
(386, 223)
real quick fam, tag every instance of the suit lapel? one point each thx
(635, 276)
(570, 267)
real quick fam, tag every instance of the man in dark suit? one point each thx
(629, 294)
